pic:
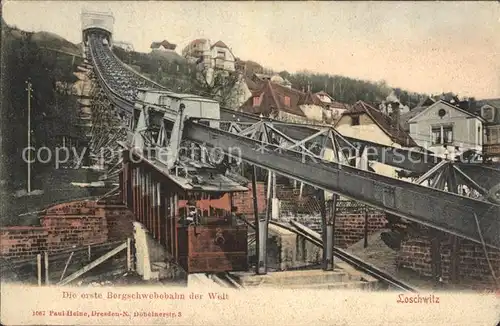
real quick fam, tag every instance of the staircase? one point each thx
(308, 279)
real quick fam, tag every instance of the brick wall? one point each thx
(74, 231)
(244, 200)
(473, 268)
(415, 254)
(350, 228)
(65, 226)
(22, 241)
(119, 222)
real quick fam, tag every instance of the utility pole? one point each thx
(29, 89)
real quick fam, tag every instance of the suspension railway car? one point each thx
(189, 211)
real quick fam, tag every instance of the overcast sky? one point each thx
(421, 46)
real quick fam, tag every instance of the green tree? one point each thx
(54, 110)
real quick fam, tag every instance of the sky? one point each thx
(428, 47)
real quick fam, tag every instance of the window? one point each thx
(355, 121)
(442, 135)
(221, 54)
(164, 101)
(256, 100)
(436, 135)
(287, 101)
(447, 135)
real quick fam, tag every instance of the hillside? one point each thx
(53, 41)
(42, 39)
(54, 110)
(171, 70)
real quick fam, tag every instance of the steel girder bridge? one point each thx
(156, 132)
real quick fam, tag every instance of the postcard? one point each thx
(272, 163)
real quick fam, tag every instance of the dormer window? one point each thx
(256, 100)
(355, 120)
(287, 101)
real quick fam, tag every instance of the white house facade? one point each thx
(447, 130)
(210, 58)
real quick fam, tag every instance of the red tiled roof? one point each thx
(386, 123)
(272, 97)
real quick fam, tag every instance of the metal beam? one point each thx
(410, 160)
(438, 209)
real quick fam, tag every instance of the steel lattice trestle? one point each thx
(416, 160)
(286, 149)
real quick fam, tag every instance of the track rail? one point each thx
(225, 280)
(352, 260)
(348, 258)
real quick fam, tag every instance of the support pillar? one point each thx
(260, 230)
(174, 222)
(171, 220)
(232, 209)
(158, 211)
(330, 234)
(151, 198)
(326, 234)
(362, 158)
(163, 215)
(275, 206)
